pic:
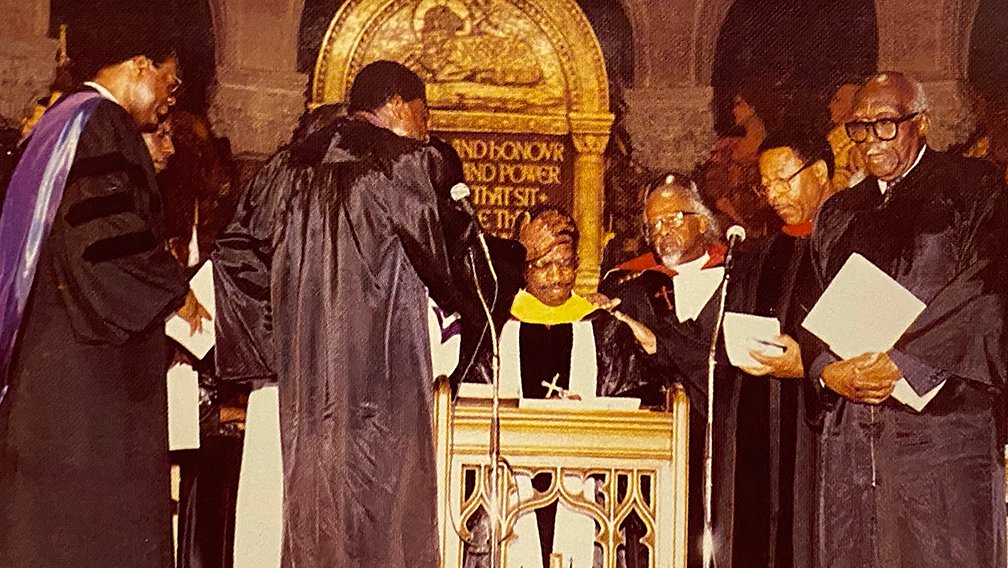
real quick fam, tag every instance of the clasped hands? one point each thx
(868, 378)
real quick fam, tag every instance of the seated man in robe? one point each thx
(560, 344)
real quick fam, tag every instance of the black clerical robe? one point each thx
(322, 283)
(775, 432)
(682, 358)
(550, 352)
(925, 489)
(84, 470)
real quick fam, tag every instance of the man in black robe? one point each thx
(897, 486)
(674, 291)
(84, 478)
(774, 438)
(323, 281)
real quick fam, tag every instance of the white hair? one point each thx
(919, 102)
(674, 184)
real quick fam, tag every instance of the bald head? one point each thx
(889, 123)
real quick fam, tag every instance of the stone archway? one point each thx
(518, 86)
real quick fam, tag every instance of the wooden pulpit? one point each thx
(637, 460)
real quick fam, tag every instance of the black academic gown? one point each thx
(84, 478)
(322, 284)
(682, 358)
(937, 498)
(775, 432)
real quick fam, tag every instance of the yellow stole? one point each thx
(528, 309)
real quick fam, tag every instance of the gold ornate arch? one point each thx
(516, 68)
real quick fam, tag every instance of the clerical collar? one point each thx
(884, 185)
(527, 308)
(105, 93)
(695, 265)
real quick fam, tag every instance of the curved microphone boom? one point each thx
(460, 193)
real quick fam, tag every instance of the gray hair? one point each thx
(919, 102)
(678, 183)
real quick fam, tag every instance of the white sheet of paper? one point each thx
(183, 408)
(863, 310)
(483, 390)
(903, 392)
(740, 331)
(694, 289)
(177, 328)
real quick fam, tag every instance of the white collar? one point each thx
(884, 185)
(102, 91)
(695, 265)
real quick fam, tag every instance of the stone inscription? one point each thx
(511, 173)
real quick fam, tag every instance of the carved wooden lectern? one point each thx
(637, 459)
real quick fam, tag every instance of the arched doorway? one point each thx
(608, 19)
(792, 45)
(519, 87)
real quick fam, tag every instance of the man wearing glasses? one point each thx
(85, 286)
(774, 444)
(672, 290)
(897, 486)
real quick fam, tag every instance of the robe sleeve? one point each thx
(418, 226)
(242, 261)
(620, 357)
(116, 276)
(961, 332)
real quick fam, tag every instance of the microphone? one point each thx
(736, 233)
(460, 193)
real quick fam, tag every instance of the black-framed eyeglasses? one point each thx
(566, 265)
(674, 220)
(768, 184)
(884, 128)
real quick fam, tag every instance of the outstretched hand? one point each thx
(193, 313)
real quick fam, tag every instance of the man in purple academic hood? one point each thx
(85, 286)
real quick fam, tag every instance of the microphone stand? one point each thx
(708, 472)
(495, 498)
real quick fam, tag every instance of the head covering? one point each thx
(106, 32)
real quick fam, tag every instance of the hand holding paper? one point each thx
(784, 362)
(199, 306)
(860, 316)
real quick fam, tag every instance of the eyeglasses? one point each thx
(768, 184)
(674, 220)
(885, 129)
(566, 265)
